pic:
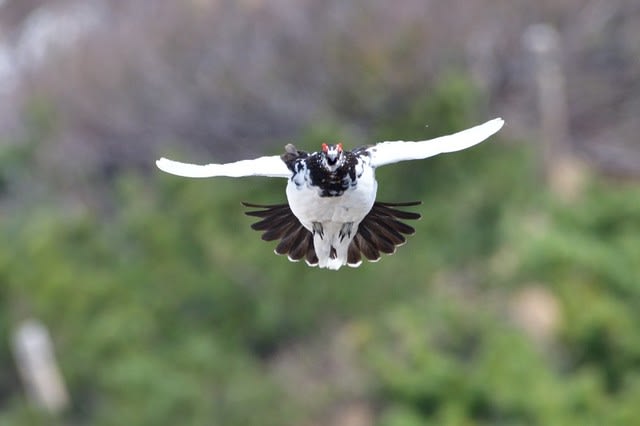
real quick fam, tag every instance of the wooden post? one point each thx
(558, 167)
(33, 351)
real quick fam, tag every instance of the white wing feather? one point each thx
(264, 166)
(393, 152)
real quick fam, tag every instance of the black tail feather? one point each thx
(354, 256)
(367, 249)
(300, 244)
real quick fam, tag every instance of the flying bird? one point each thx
(332, 217)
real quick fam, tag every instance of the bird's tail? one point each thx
(381, 231)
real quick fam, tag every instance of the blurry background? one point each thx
(517, 302)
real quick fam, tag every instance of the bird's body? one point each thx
(332, 218)
(331, 204)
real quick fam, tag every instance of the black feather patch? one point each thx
(381, 232)
(279, 223)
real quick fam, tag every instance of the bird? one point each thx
(331, 217)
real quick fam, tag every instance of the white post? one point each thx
(33, 351)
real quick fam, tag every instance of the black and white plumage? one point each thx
(332, 218)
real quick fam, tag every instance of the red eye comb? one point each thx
(340, 147)
(325, 147)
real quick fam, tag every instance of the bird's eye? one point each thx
(325, 148)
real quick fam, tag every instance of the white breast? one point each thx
(352, 206)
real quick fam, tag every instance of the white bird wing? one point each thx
(272, 166)
(392, 152)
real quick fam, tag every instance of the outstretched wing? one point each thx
(264, 166)
(393, 152)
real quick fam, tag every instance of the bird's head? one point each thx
(332, 156)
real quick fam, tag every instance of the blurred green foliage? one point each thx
(168, 309)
